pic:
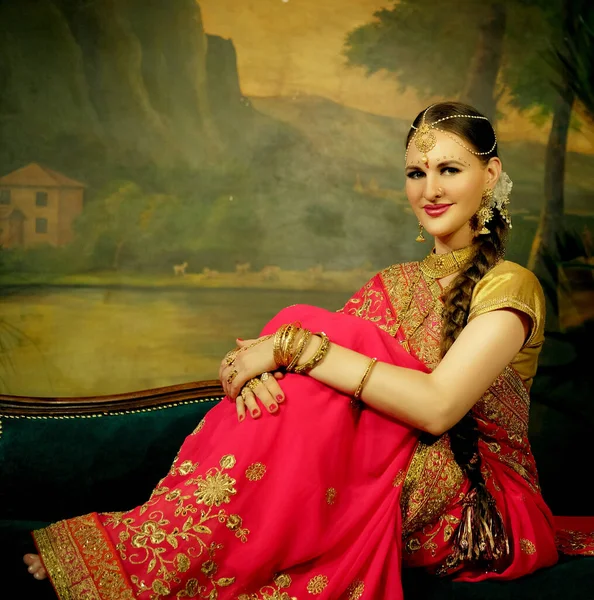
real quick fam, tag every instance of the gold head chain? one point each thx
(425, 140)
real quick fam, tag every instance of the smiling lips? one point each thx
(436, 210)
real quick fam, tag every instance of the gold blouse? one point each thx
(509, 285)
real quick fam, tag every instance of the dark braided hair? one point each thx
(479, 135)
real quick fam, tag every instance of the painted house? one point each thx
(38, 206)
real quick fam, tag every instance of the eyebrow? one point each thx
(443, 163)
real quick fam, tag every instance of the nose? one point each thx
(432, 191)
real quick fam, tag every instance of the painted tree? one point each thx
(572, 57)
(122, 223)
(456, 49)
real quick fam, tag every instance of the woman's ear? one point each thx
(492, 172)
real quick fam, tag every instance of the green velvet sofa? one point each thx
(61, 457)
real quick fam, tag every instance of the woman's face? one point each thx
(445, 194)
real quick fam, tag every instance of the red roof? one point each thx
(34, 175)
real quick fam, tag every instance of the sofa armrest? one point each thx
(61, 457)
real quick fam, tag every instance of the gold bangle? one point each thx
(278, 344)
(364, 379)
(317, 358)
(301, 345)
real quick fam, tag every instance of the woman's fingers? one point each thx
(273, 387)
(249, 398)
(264, 394)
(240, 404)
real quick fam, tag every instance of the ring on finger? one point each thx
(232, 376)
(253, 383)
(264, 377)
(244, 393)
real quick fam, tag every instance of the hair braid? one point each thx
(464, 435)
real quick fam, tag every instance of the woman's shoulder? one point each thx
(510, 285)
(508, 276)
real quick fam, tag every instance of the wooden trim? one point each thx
(133, 401)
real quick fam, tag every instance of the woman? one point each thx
(397, 436)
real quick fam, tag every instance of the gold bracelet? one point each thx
(317, 358)
(280, 339)
(364, 379)
(301, 345)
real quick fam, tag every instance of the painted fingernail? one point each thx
(255, 413)
(273, 407)
(279, 398)
(240, 418)
(240, 339)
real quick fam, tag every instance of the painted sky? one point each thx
(292, 47)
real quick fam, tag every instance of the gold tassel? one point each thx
(481, 535)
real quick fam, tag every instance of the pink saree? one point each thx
(304, 502)
(321, 499)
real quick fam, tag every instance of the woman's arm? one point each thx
(432, 402)
(436, 401)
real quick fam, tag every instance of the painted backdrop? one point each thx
(174, 172)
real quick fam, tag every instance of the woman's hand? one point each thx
(250, 359)
(265, 389)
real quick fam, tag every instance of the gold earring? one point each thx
(420, 237)
(485, 212)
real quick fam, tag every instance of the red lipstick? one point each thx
(435, 210)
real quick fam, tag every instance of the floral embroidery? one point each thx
(272, 592)
(445, 523)
(255, 471)
(433, 480)
(527, 547)
(370, 304)
(199, 427)
(331, 495)
(317, 584)
(399, 479)
(149, 542)
(355, 590)
(215, 489)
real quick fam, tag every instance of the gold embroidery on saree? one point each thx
(369, 304)
(503, 413)
(572, 542)
(317, 584)
(273, 591)
(527, 547)
(433, 480)
(150, 542)
(445, 524)
(419, 316)
(331, 495)
(355, 590)
(399, 479)
(199, 427)
(255, 471)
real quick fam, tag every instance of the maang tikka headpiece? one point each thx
(425, 140)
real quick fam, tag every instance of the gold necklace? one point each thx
(438, 266)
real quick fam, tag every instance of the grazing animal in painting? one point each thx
(242, 268)
(180, 269)
(270, 273)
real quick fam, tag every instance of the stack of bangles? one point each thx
(290, 342)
